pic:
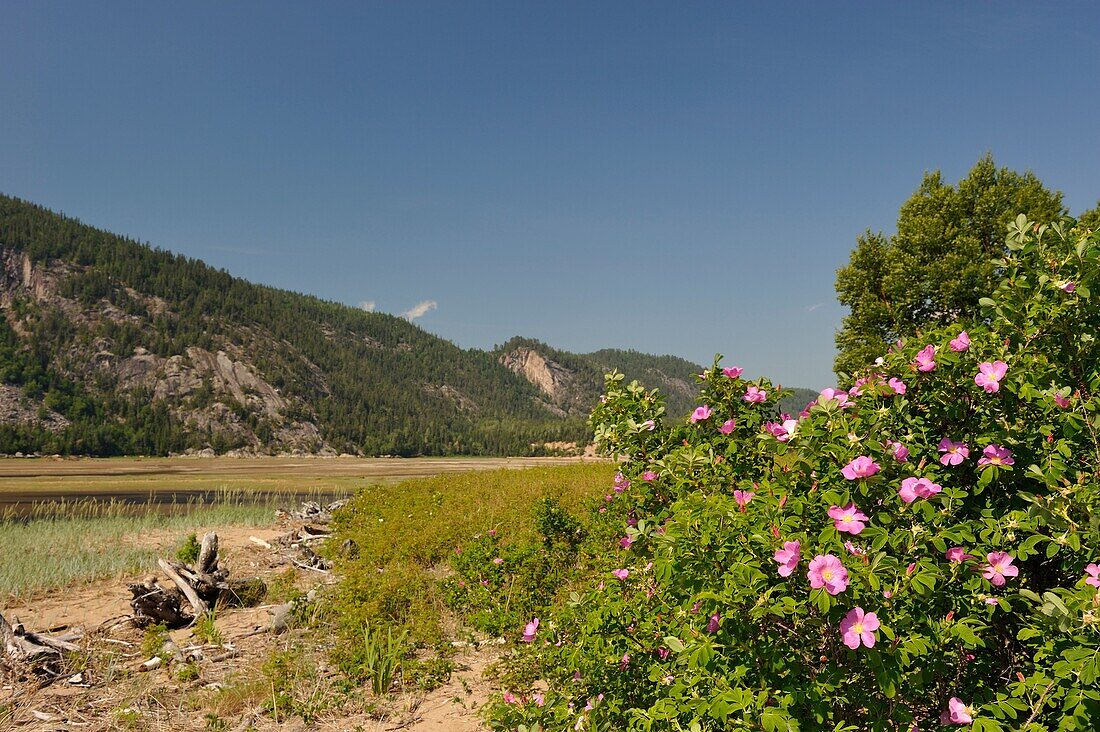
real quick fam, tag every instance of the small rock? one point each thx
(281, 618)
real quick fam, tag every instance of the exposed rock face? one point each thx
(552, 379)
(15, 407)
(238, 379)
(19, 274)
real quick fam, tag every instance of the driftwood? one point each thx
(25, 653)
(184, 587)
(313, 511)
(208, 554)
(153, 603)
(202, 585)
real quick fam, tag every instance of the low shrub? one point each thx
(917, 551)
(188, 550)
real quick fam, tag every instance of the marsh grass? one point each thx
(57, 544)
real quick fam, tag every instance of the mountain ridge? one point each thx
(111, 346)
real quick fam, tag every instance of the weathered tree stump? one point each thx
(154, 604)
(203, 585)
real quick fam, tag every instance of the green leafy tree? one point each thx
(940, 261)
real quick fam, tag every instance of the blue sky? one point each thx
(675, 178)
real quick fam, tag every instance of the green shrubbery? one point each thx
(917, 551)
(425, 549)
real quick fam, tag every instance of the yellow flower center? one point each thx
(827, 575)
(858, 627)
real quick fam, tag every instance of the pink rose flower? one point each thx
(700, 414)
(926, 359)
(755, 395)
(858, 628)
(899, 451)
(914, 488)
(734, 372)
(997, 456)
(530, 630)
(831, 394)
(957, 555)
(649, 476)
(860, 467)
(1067, 286)
(742, 498)
(788, 557)
(999, 567)
(620, 574)
(897, 385)
(953, 452)
(1093, 571)
(782, 432)
(1061, 400)
(990, 375)
(626, 542)
(956, 713)
(826, 571)
(728, 426)
(848, 519)
(960, 343)
(649, 424)
(713, 623)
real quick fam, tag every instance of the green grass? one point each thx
(423, 520)
(407, 535)
(65, 544)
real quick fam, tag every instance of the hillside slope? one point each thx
(570, 383)
(108, 346)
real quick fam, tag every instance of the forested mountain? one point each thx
(109, 346)
(571, 382)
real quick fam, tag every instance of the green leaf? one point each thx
(675, 644)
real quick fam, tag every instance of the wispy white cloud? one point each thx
(367, 305)
(419, 309)
(815, 306)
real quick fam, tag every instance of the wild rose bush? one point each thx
(919, 551)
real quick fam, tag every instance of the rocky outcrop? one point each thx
(16, 408)
(237, 378)
(453, 395)
(552, 379)
(18, 274)
(212, 392)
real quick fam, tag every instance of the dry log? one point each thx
(187, 590)
(23, 655)
(58, 644)
(260, 542)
